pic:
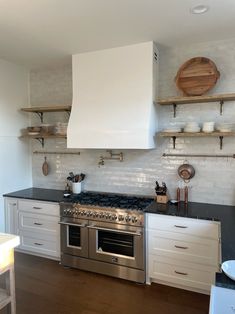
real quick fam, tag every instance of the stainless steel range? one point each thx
(104, 233)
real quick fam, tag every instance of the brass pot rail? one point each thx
(199, 155)
(56, 152)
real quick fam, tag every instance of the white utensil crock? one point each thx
(76, 187)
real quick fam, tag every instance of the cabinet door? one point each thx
(11, 215)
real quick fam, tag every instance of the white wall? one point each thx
(214, 180)
(15, 157)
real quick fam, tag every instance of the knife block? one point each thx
(163, 199)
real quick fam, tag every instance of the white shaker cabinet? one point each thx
(36, 222)
(182, 252)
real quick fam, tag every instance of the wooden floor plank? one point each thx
(45, 287)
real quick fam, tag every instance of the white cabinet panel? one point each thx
(187, 226)
(187, 248)
(39, 243)
(38, 207)
(11, 219)
(182, 273)
(38, 223)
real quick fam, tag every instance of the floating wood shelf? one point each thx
(40, 110)
(174, 101)
(174, 135)
(41, 137)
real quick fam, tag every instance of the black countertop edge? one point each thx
(223, 213)
(40, 194)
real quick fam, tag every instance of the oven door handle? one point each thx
(72, 224)
(116, 230)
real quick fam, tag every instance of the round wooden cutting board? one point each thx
(197, 76)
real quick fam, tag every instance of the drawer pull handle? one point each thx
(181, 247)
(36, 243)
(35, 207)
(37, 224)
(182, 227)
(180, 273)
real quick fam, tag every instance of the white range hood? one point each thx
(113, 98)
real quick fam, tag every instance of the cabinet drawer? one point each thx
(181, 273)
(39, 243)
(37, 223)
(188, 248)
(39, 207)
(197, 227)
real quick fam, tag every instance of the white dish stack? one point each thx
(60, 128)
(208, 127)
(192, 127)
(224, 127)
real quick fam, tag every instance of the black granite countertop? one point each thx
(223, 213)
(47, 195)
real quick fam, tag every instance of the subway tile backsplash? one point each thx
(214, 179)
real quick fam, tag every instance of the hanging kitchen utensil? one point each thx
(45, 167)
(186, 171)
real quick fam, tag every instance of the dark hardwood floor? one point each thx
(45, 287)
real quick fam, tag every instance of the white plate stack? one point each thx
(224, 127)
(60, 128)
(208, 127)
(192, 127)
(173, 129)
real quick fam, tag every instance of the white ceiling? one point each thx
(38, 33)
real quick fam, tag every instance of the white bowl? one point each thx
(176, 130)
(208, 123)
(224, 130)
(192, 130)
(228, 268)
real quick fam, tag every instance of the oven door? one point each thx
(116, 244)
(74, 236)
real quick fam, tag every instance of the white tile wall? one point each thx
(214, 180)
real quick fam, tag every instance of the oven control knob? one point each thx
(94, 214)
(101, 215)
(88, 214)
(114, 217)
(128, 218)
(120, 218)
(107, 216)
(83, 212)
(134, 219)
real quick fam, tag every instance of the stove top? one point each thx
(111, 200)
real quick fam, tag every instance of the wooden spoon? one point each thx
(45, 167)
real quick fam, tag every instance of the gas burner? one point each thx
(115, 208)
(111, 200)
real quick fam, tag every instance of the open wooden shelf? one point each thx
(174, 101)
(174, 135)
(40, 110)
(41, 137)
(195, 134)
(47, 109)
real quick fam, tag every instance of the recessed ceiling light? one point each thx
(199, 9)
